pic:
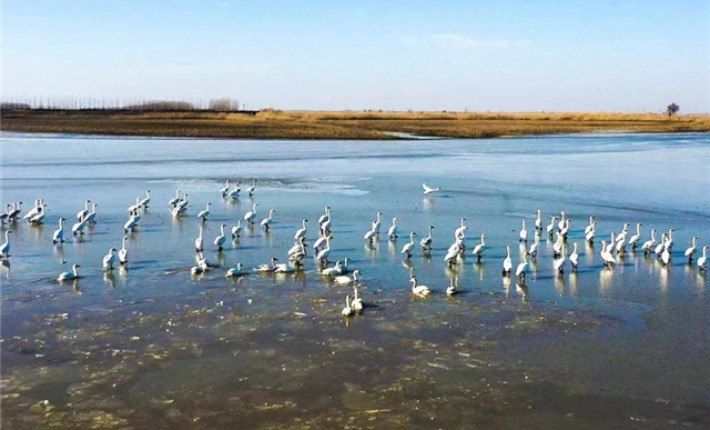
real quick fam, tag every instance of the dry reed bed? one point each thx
(272, 124)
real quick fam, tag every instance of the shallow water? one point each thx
(154, 346)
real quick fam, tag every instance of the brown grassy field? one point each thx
(271, 124)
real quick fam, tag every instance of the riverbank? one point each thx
(271, 124)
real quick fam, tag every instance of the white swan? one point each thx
(523, 233)
(661, 245)
(266, 222)
(78, 228)
(234, 194)
(123, 252)
(345, 279)
(620, 246)
(408, 247)
(452, 253)
(558, 264)
(392, 232)
(69, 276)
(590, 226)
(5, 247)
(333, 271)
(321, 240)
(607, 256)
(298, 248)
(146, 200)
(565, 230)
(182, 203)
(136, 207)
(39, 216)
(703, 261)
(558, 245)
(325, 217)
(419, 290)
(563, 220)
(426, 242)
(507, 262)
(131, 223)
(428, 190)
(347, 310)
(357, 303)
(376, 223)
(202, 265)
(551, 226)
(666, 256)
(251, 215)
(35, 210)
(371, 235)
(451, 289)
(91, 216)
(345, 269)
(15, 212)
(634, 240)
(237, 230)
(574, 257)
(322, 256)
(205, 213)
(301, 232)
(589, 236)
(478, 249)
(236, 271)
(538, 220)
(219, 240)
(669, 243)
(250, 190)
(174, 201)
(522, 269)
(624, 232)
(225, 190)
(460, 233)
(690, 252)
(58, 235)
(200, 241)
(266, 268)
(649, 244)
(108, 260)
(534, 248)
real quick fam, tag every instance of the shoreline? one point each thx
(276, 125)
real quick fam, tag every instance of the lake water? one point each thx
(155, 347)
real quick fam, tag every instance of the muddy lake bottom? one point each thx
(155, 347)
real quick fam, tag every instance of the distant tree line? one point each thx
(218, 105)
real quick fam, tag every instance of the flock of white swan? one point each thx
(557, 229)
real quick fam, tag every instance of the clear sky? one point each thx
(571, 55)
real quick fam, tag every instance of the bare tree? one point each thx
(672, 109)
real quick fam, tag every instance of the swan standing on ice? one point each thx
(376, 223)
(392, 232)
(136, 207)
(298, 248)
(460, 233)
(419, 290)
(123, 252)
(39, 216)
(451, 289)
(429, 190)
(200, 242)
(301, 232)
(558, 264)
(565, 230)
(370, 236)
(532, 252)
(538, 221)
(69, 276)
(574, 257)
(219, 240)
(175, 200)
(91, 216)
(607, 256)
(661, 245)
(452, 253)
(522, 269)
(649, 245)
(666, 256)
(205, 213)
(320, 243)
(591, 225)
(234, 194)
(15, 212)
(251, 215)
(426, 242)
(266, 222)
(478, 249)
(325, 217)
(146, 200)
(34, 211)
(82, 213)
(130, 224)
(508, 262)
(408, 247)
(58, 235)
(109, 259)
(78, 227)
(563, 220)
(589, 236)
(523, 233)
(5, 247)
(634, 240)
(237, 230)
(551, 226)
(225, 190)
(322, 256)
(703, 261)
(690, 252)
(250, 190)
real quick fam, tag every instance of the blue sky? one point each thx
(598, 55)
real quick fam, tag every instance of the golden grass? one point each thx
(273, 124)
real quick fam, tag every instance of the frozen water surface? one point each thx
(155, 347)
